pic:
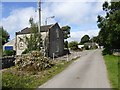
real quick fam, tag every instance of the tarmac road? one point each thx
(89, 71)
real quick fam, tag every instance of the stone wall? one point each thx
(7, 61)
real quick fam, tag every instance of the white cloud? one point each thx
(1, 8)
(78, 0)
(66, 13)
(58, 0)
(73, 12)
(76, 36)
(17, 20)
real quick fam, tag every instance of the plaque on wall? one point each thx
(21, 45)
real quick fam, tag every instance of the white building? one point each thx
(10, 45)
(52, 35)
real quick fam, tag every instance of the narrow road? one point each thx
(89, 71)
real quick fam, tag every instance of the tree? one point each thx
(33, 42)
(4, 36)
(109, 35)
(66, 32)
(66, 44)
(85, 39)
(94, 39)
(73, 45)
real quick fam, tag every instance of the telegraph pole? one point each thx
(39, 21)
(39, 12)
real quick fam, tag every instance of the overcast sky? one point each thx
(80, 16)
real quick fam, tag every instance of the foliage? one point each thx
(9, 52)
(66, 31)
(1, 52)
(109, 35)
(34, 41)
(86, 47)
(33, 61)
(94, 39)
(15, 79)
(73, 45)
(4, 35)
(106, 51)
(66, 44)
(84, 39)
(25, 51)
(113, 69)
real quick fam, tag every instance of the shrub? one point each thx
(9, 52)
(106, 51)
(33, 61)
(86, 47)
(73, 45)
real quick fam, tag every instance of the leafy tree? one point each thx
(73, 45)
(66, 32)
(33, 42)
(94, 39)
(109, 35)
(85, 39)
(66, 44)
(4, 36)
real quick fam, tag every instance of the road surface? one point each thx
(89, 71)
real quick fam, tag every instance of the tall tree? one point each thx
(33, 42)
(109, 25)
(4, 36)
(85, 39)
(94, 39)
(66, 32)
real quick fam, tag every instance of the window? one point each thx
(57, 33)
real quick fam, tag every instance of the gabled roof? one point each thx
(42, 29)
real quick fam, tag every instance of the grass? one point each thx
(113, 69)
(12, 78)
(0, 52)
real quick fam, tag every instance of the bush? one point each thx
(106, 51)
(33, 61)
(9, 52)
(95, 47)
(86, 47)
(73, 45)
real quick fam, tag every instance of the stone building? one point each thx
(52, 37)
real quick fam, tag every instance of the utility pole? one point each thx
(39, 22)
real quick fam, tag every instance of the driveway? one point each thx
(89, 71)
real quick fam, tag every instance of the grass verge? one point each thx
(12, 78)
(113, 67)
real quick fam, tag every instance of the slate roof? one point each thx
(27, 30)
